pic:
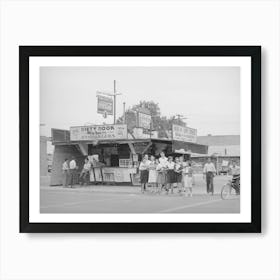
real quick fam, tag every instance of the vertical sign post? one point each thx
(124, 119)
(114, 94)
(114, 101)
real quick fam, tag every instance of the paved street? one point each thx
(128, 199)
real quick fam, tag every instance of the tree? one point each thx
(131, 119)
(162, 124)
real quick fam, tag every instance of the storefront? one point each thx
(114, 160)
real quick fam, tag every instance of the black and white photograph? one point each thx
(141, 139)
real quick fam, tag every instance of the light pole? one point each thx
(114, 101)
(124, 119)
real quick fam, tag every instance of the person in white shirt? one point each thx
(162, 170)
(65, 173)
(209, 171)
(144, 172)
(84, 176)
(153, 174)
(72, 167)
(163, 159)
(188, 179)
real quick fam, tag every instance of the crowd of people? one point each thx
(164, 173)
(157, 175)
(69, 172)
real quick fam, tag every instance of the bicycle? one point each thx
(231, 189)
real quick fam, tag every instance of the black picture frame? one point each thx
(25, 52)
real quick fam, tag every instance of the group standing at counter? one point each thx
(165, 173)
(158, 174)
(69, 172)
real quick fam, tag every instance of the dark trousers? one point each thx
(72, 177)
(236, 183)
(84, 178)
(209, 182)
(65, 178)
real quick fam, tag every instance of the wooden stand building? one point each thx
(118, 158)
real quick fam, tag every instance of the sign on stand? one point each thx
(144, 120)
(105, 105)
(98, 132)
(185, 134)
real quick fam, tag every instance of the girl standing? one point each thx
(144, 172)
(178, 172)
(171, 179)
(188, 180)
(152, 174)
(162, 171)
(161, 176)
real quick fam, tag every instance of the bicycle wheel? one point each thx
(226, 191)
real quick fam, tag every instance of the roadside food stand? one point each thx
(115, 158)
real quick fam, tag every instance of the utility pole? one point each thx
(114, 101)
(124, 119)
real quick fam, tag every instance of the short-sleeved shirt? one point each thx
(87, 166)
(65, 166)
(144, 165)
(209, 167)
(190, 172)
(163, 161)
(159, 167)
(152, 165)
(72, 164)
(170, 165)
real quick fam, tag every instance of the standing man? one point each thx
(84, 176)
(72, 167)
(209, 171)
(65, 173)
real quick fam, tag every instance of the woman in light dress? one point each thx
(153, 174)
(161, 171)
(188, 179)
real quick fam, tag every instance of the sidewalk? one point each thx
(201, 189)
(198, 188)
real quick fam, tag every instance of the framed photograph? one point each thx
(140, 139)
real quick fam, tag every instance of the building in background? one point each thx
(43, 156)
(223, 145)
(223, 149)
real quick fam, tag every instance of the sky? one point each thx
(209, 97)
